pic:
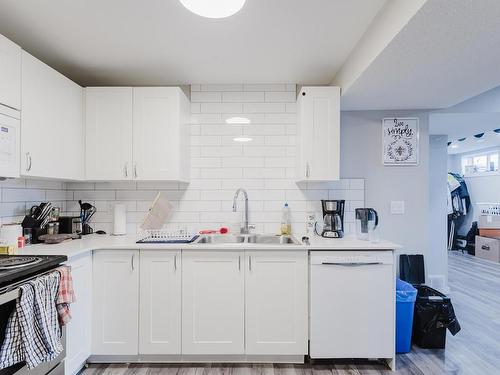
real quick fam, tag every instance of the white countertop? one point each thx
(92, 242)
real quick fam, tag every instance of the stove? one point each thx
(17, 267)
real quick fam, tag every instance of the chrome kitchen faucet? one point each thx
(245, 229)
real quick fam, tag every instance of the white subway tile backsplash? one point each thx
(265, 87)
(264, 107)
(221, 151)
(221, 108)
(280, 97)
(22, 195)
(221, 173)
(264, 130)
(207, 97)
(243, 162)
(265, 167)
(242, 97)
(223, 87)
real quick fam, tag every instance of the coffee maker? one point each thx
(333, 219)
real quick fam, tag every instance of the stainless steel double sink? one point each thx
(256, 239)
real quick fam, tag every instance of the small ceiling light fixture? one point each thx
(454, 146)
(237, 120)
(242, 139)
(214, 8)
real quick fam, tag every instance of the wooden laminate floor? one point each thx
(475, 293)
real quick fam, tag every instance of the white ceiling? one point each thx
(460, 125)
(159, 42)
(472, 144)
(448, 52)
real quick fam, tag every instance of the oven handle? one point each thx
(9, 296)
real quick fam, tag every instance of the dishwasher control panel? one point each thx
(351, 257)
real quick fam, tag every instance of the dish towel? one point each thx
(33, 334)
(65, 296)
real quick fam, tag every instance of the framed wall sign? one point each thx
(400, 141)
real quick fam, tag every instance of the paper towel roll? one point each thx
(119, 220)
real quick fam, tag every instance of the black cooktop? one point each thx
(18, 267)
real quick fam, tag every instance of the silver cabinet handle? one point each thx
(353, 264)
(132, 263)
(125, 169)
(249, 262)
(485, 247)
(239, 262)
(135, 170)
(28, 162)
(307, 170)
(175, 262)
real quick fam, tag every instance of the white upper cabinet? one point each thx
(276, 303)
(160, 302)
(213, 292)
(161, 130)
(51, 123)
(108, 133)
(115, 305)
(318, 131)
(10, 73)
(137, 133)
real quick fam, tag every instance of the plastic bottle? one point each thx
(286, 225)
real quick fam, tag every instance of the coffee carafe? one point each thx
(366, 223)
(333, 219)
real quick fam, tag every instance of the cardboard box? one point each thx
(491, 233)
(488, 248)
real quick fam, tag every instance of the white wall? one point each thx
(438, 252)
(361, 156)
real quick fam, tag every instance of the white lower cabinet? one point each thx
(115, 318)
(199, 302)
(213, 290)
(78, 329)
(276, 302)
(160, 302)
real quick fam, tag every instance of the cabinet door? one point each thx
(51, 123)
(212, 302)
(276, 303)
(78, 330)
(319, 134)
(10, 134)
(10, 73)
(160, 134)
(160, 302)
(115, 307)
(108, 133)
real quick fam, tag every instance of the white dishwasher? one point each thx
(352, 307)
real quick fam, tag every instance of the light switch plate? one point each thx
(397, 207)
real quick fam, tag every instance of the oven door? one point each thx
(7, 305)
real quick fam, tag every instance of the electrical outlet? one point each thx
(397, 207)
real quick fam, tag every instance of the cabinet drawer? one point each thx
(488, 248)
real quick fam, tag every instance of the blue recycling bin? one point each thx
(406, 295)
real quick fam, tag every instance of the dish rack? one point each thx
(166, 236)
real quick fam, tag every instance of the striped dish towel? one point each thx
(65, 295)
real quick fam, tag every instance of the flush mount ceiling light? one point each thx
(454, 146)
(213, 8)
(238, 120)
(242, 139)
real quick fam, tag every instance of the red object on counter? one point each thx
(222, 230)
(20, 241)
